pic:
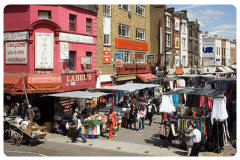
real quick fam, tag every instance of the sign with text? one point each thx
(118, 63)
(16, 52)
(14, 36)
(75, 38)
(64, 50)
(139, 56)
(151, 57)
(106, 57)
(208, 51)
(119, 55)
(128, 44)
(44, 50)
(133, 69)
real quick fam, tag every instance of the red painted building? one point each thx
(52, 46)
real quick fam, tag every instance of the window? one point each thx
(140, 57)
(168, 23)
(126, 57)
(124, 7)
(89, 25)
(107, 39)
(184, 27)
(71, 62)
(168, 40)
(89, 54)
(107, 10)
(72, 22)
(184, 43)
(184, 61)
(123, 30)
(140, 34)
(140, 10)
(44, 15)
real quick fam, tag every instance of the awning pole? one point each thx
(24, 89)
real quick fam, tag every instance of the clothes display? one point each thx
(175, 100)
(219, 110)
(167, 104)
(205, 102)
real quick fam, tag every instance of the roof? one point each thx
(131, 87)
(92, 8)
(228, 69)
(79, 94)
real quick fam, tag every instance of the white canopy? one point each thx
(228, 69)
(80, 94)
(131, 87)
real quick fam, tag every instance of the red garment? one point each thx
(208, 102)
(111, 125)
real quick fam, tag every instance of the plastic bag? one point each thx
(67, 126)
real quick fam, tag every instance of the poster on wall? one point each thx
(64, 50)
(44, 50)
(16, 52)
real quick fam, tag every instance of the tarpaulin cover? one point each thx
(13, 83)
(146, 77)
(80, 94)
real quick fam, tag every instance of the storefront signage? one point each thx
(118, 63)
(177, 24)
(44, 50)
(150, 57)
(218, 60)
(15, 36)
(78, 77)
(64, 50)
(16, 52)
(75, 38)
(106, 57)
(133, 69)
(119, 55)
(208, 51)
(139, 56)
(128, 44)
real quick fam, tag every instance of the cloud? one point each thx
(224, 27)
(229, 34)
(189, 7)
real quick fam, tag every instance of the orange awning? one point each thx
(179, 70)
(13, 83)
(40, 83)
(146, 77)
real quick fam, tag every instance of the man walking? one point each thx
(196, 138)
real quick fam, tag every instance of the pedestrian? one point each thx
(30, 113)
(188, 140)
(78, 128)
(133, 117)
(150, 111)
(142, 114)
(196, 137)
(127, 117)
(111, 119)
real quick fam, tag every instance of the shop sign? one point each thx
(119, 55)
(218, 60)
(139, 56)
(15, 36)
(44, 50)
(128, 44)
(16, 52)
(86, 60)
(208, 51)
(118, 63)
(75, 38)
(78, 77)
(64, 50)
(150, 57)
(106, 57)
(133, 69)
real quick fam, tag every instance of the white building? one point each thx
(227, 56)
(208, 51)
(184, 43)
(218, 55)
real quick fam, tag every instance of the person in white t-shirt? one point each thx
(196, 138)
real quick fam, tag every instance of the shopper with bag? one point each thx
(111, 122)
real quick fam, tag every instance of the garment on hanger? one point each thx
(175, 100)
(219, 110)
(205, 102)
(166, 105)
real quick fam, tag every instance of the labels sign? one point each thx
(16, 52)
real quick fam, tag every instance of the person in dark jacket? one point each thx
(133, 117)
(150, 111)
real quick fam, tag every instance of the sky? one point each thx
(214, 19)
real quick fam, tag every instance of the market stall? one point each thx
(206, 108)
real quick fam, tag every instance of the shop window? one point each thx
(107, 10)
(126, 57)
(44, 15)
(89, 54)
(123, 30)
(72, 58)
(140, 34)
(140, 10)
(89, 25)
(107, 39)
(124, 7)
(140, 57)
(72, 22)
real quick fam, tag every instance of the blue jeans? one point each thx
(141, 124)
(81, 135)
